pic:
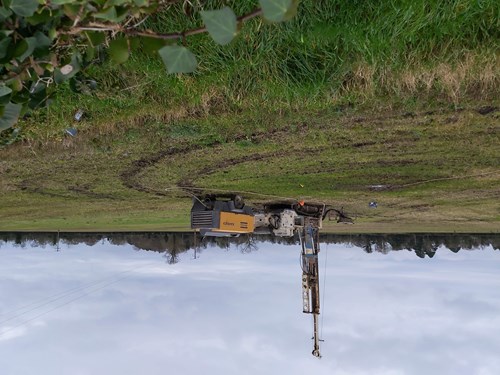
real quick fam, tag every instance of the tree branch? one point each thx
(169, 36)
(256, 12)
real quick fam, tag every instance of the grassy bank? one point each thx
(383, 54)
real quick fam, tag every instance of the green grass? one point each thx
(383, 54)
(346, 95)
(444, 179)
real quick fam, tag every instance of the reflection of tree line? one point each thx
(173, 244)
(421, 244)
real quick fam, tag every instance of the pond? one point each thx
(155, 303)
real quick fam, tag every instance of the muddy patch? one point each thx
(31, 187)
(486, 109)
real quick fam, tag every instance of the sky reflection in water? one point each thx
(229, 312)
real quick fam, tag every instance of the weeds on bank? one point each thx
(334, 53)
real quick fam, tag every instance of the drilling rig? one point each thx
(230, 217)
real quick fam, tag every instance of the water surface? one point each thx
(163, 302)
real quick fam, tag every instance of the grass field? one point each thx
(394, 101)
(438, 170)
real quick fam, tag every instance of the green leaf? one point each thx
(113, 14)
(24, 8)
(178, 59)
(43, 43)
(96, 37)
(10, 115)
(108, 15)
(152, 45)
(4, 45)
(117, 2)
(61, 2)
(44, 16)
(4, 90)
(5, 33)
(52, 33)
(4, 14)
(5, 95)
(38, 97)
(42, 40)
(90, 53)
(118, 50)
(4, 100)
(16, 84)
(278, 10)
(121, 13)
(25, 48)
(71, 10)
(221, 24)
(61, 74)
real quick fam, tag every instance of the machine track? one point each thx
(130, 177)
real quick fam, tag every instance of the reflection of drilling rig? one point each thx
(230, 217)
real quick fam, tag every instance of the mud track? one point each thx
(31, 187)
(85, 190)
(34, 187)
(130, 177)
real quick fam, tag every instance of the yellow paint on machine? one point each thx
(236, 223)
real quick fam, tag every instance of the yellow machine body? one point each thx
(231, 222)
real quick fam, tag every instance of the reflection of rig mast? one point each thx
(310, 276)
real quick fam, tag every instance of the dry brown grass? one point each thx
(475, 77)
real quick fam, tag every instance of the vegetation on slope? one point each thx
(367, 53)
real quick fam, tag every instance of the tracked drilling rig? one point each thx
(230, 217)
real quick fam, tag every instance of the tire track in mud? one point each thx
(130, 176)
(130, 180)
(35, 188)
(86, 190)
(232, 162)
(30, 187)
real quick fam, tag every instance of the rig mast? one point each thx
(310, 276)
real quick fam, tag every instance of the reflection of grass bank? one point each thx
(389, 54)
(441, 167)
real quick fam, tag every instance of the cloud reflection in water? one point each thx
(229, 312)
